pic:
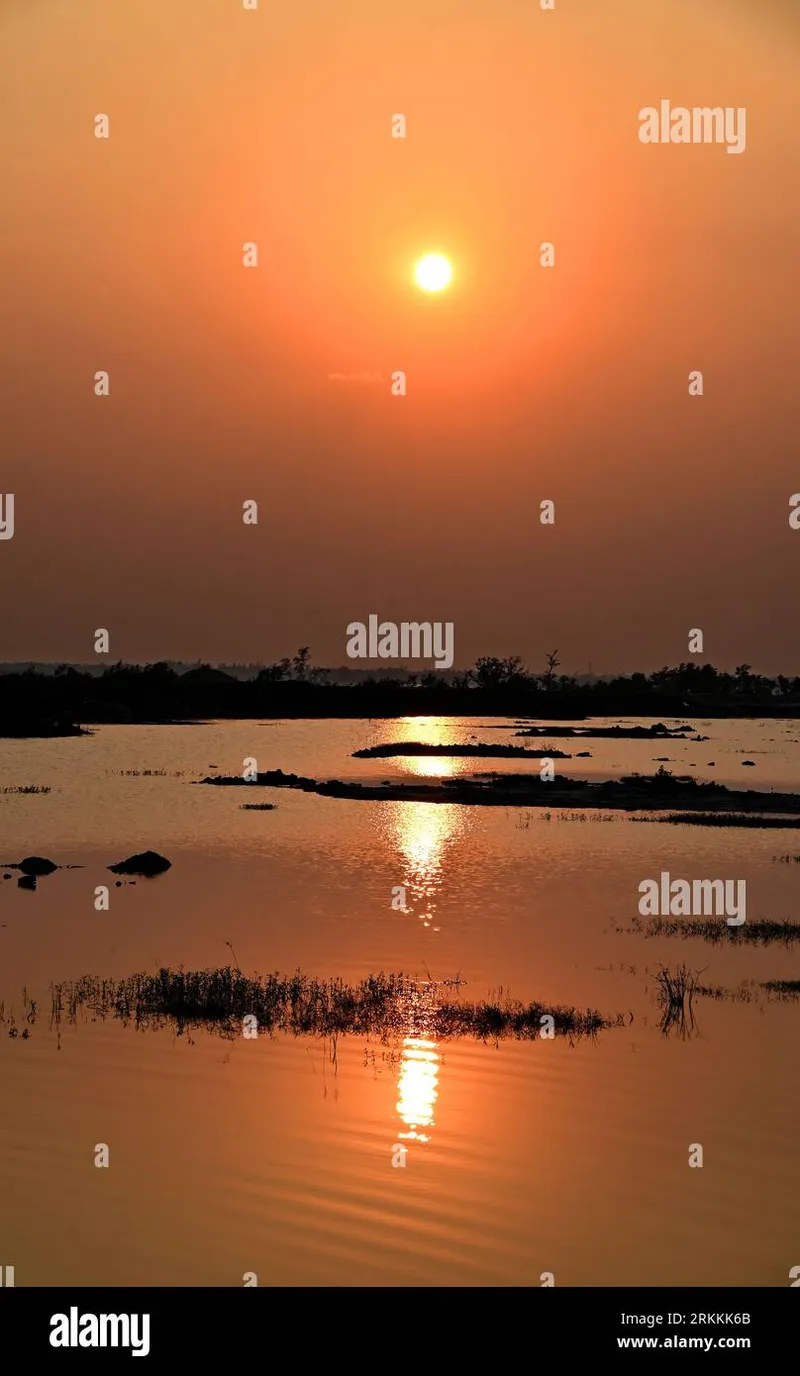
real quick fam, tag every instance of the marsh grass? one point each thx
(725, 819)
(26, 788)
(676, 987)
(381, 1006)
(783, 988)
(718, 932)
(586, 817)
(571, 817)
(153, 773)
(676, 990)
(30, 1011)
(747, 992)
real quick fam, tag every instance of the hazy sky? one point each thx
(524, 383)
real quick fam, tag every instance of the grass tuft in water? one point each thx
(382, 1005)
(728, 819)
(783, 988)
(676, 990)
(26, 788)
(717, 931)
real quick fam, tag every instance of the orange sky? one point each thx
(524, 383)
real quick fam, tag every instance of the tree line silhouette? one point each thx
(294, 687)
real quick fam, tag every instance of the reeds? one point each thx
(524, 821)
(728, 819)
(783, 988)
(676, 990)
(717, 931)
(26, 788)
(151, 773)
(586, 817)
(380, 1006)
(676, 987)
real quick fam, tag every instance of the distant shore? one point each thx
(47, 705)
(61, 703)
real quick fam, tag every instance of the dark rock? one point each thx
(147, 862)
(35, 864)
(752, 763)
(28, 881)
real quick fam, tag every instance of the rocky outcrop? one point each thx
(147, 862)
(32, 865)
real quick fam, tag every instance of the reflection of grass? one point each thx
(717, 930)
(381, 1005)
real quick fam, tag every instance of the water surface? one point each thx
(274, 1155)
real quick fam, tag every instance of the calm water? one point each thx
(270, 1156)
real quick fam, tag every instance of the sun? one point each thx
(433, 272)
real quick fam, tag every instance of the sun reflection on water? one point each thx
(426, 831)
(418, 1088)
(430, 731)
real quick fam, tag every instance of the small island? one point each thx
(632, 793)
